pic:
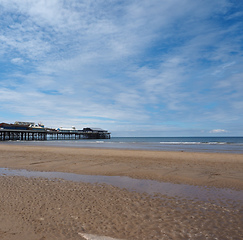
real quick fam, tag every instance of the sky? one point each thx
(133, 67)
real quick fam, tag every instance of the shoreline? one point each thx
(221, 170)
(208, 145)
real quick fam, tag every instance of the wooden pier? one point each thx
(43, 135)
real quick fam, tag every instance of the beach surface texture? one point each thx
(44, 208)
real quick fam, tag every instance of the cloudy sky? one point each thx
(134, 67)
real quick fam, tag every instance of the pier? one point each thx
(42, 135)
(13, 132)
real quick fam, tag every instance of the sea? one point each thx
(187, 144)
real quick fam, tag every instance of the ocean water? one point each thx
(188, 144)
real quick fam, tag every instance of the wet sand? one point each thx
(37, 208)
(203, 169)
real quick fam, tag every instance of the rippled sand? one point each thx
(43, 209)
(38, 208)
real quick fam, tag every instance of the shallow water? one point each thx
(189, 144)
(151, 187)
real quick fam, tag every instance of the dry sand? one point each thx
(34, 208)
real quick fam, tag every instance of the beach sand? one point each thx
(38, 208)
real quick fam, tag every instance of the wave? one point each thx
(198, 143)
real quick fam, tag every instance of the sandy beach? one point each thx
(38, 208)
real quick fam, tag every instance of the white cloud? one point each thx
(17, 60)
(218, 131)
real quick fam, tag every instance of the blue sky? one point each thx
(134, 67)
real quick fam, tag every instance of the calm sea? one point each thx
(189, 144)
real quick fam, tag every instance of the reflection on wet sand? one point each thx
(151, 187)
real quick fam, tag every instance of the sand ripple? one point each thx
(43, 209)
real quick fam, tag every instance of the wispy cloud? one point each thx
(133, 64)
